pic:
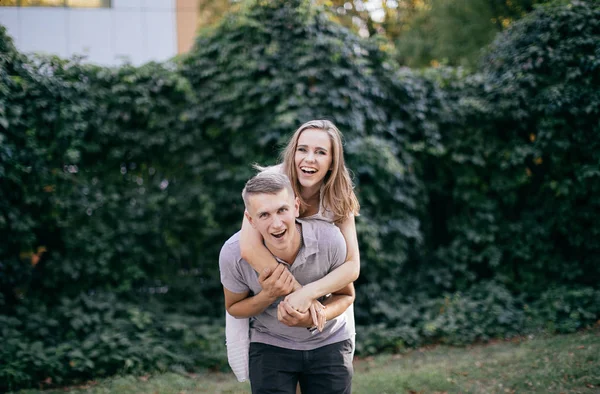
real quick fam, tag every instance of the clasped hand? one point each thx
(277, 284)
(313, 317)
(280, 283)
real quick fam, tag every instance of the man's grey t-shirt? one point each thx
(323, 250)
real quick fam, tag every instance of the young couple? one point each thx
(291, 269)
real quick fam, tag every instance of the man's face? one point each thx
(274, 216)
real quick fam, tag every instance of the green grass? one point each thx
(558, 364)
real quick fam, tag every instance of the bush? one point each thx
(564, 310)
(486, 311)
(92, 336)
(101, 185)
(101, 198)
(541, 79)
(509, 190)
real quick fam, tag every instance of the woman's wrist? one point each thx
(310, 291)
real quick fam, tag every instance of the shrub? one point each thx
(96, 335)
(100, 180)
(541, 78)
(563, 310)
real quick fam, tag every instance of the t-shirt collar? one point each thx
(309, 245)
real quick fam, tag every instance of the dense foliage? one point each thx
(419, 33)
(522, 156)
(99, 194)
(94, 335)
(119, 185)
(450, 32)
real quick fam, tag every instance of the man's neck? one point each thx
(290, 255)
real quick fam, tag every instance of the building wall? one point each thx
(187, 21)
(137, 31)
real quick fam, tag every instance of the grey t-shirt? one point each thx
(323, 250)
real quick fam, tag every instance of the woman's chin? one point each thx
(310, 182)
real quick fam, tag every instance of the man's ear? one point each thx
(249, 218)
(296, 207)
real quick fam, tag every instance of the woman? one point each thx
(313, 160)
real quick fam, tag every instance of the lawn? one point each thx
(557, 364)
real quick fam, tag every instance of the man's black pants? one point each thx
(325, 370)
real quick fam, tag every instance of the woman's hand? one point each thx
(300, 300)
(291, 317)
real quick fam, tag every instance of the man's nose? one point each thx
(277, 221)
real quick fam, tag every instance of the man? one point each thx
(283, 348)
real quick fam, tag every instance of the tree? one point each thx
(455, 32)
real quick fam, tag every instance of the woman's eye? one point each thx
(301, 150)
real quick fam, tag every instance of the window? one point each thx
(57, 3)
(88, 3)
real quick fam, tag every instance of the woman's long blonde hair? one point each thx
(338, 191)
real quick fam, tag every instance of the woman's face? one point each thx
(313, 158)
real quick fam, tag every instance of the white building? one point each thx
(106, 32)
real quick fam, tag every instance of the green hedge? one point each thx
(119, 185)
(100, 198)
(543, 77)
(90, 336)
(100, 172)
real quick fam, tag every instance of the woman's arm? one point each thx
(336, 279)
(335, 306)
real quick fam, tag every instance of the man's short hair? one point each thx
(266, 182)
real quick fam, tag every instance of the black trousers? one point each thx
(326, 370)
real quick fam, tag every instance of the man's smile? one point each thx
(279, 234)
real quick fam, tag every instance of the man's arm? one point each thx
(241, 306)
(339, 301)
(274, 285)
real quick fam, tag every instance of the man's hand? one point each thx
(317, 313)
(291, 317)
(276, 284)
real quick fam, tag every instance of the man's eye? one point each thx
(283, 210)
